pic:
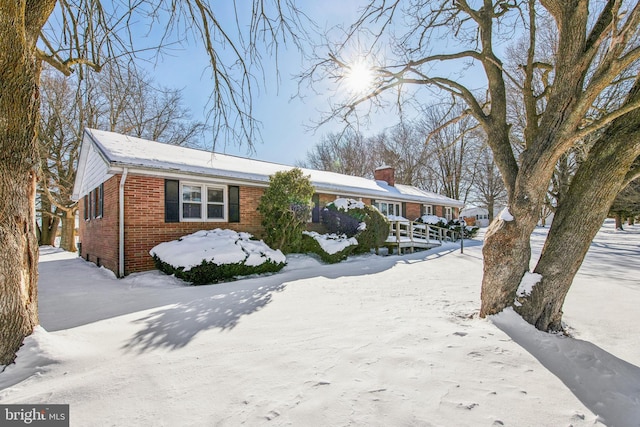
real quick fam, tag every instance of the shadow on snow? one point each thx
(604, 383)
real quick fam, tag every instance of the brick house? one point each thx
(134, 194)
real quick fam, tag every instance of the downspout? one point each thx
(121, 223)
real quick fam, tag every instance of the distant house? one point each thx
(134, 193)
(479, 216)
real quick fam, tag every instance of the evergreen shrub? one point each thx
(210, 272)
(285, 207)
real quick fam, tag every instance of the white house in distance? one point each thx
(480, 215)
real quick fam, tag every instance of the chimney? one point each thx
(385, 173)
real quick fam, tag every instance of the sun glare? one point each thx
(359, 77)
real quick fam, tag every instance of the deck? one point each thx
(410, 235)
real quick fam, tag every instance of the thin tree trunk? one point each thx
(50, 222)
(618, 217)
(68, 237)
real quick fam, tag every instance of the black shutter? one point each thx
(86, 207)
(101, 200)
(234, 203)
(171, 200)
(315, 213)
(404, 210)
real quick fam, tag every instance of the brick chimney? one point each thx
(385, 173)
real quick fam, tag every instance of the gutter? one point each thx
(123, 179)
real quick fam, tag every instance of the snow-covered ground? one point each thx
(373, 341)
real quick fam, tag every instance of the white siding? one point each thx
(94, 169)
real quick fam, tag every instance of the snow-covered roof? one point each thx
(118, 151)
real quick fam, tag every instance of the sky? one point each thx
(371, 341)
(285, 118)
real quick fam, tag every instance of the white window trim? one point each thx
(448, 213)
(204, 202)
(428, 209)
(397, 205)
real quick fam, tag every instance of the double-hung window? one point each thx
(389, 208)
(201, 202)
(448, 213)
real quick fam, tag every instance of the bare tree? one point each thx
(347, 152)
(69, 104)
(596, 53)
(488, 186)
(451, 140)
(626, 205)
(66, 34)
(402, 147)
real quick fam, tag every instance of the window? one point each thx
(215, 203)
(201, 202)
(94, 203)
(191, 202)
(428, 209)
(389, 208)
(448, 214)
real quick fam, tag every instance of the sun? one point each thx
(359, 77)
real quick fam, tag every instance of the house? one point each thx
(134, 194)
(476, 215)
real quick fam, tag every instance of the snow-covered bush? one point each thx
(438, 221)
(469, 231)
(355, 219)
(331, 248)
(216, 255)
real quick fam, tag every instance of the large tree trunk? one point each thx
(68, 238)
(579, 217)
(20, 25)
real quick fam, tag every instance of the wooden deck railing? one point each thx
(410, 234)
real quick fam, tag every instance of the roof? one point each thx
(111, 152)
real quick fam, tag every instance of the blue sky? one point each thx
(285, 117)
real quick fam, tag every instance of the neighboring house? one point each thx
(481, 216)
(134, 194)
(477, 214)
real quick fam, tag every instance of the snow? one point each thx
(433, 219)
(344, 204)
(119, 151)
(332, 243)
(373, 341)
(505, 215)
(219, 246)
(529, 280)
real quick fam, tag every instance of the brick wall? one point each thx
(145, 226)
(387, 174)
(412, 211)
(99, 236)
